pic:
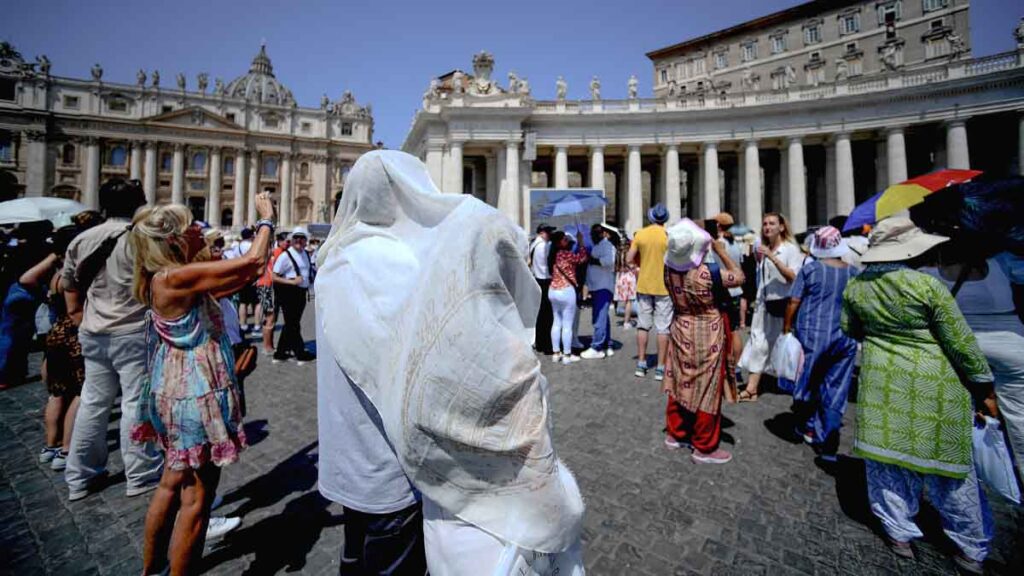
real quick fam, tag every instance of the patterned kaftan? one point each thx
(699, 368)
(912, 409)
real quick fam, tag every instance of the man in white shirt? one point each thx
(292, 273)
(601, 282)
(539, 266)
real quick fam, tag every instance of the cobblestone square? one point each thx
(650, 510)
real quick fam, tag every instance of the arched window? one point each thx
(304, 171)
(67, 154)
(270, 167)
(229, 165)
(227, 217)
(166, 161)
(118, 155)
(198, 162)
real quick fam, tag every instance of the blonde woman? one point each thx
(190, 401)
(778, 261)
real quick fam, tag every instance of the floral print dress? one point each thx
(190, 401)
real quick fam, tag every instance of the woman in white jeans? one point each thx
(562, 263)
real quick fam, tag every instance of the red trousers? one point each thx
(700, 429)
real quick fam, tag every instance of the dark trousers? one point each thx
(293, 304)
(700, 429)
(384, 544)
(542, 339)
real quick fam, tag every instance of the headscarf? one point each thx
(427, 304)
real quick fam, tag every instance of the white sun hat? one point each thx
(299, 231)
(688, 244)
(897, 239)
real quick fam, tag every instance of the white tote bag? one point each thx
(755, 352)
(788, 357)
(992, 460)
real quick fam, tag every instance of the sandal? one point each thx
(745, 396)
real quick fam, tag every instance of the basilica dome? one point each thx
(260, 85)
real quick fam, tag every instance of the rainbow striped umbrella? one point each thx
(904, 195)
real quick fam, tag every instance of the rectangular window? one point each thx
(889, 12)
(721, 60)
(663, 76)
(167, 108)
(749, 51)
(681, 71)
(812, 34)
(6, 147)
(7, 89)
(936, 24)
(346, 129)
(851, 47)
(307, 127)
(118, 105)
(71, 102)
(936, 47)
(849, 24)
(270, 122)
(698, 66)
(816, 76)
(932, 5)
(778, 44)
(815, 56)
(856, 67)
(230, 116)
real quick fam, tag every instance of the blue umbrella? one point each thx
(573, 203)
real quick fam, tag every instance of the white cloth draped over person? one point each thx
(427, 304)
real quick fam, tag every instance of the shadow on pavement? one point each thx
(783, 426)
(295, 474)
(256, 431)
(279, 542)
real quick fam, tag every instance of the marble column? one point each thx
(896, 156)
(91, 194)
(435, 164)
(213, 201)
(453, 169)
(796, 200)
(150, 176)
(508, 195)
(830, 177)
(492, 179)
(711, 203)
(286, 190)
(561, 167)
(957, 153)
(597, 167)
(254, 189)
(178, 175)
(38, 169)
(752, 203)
(238, 206)
(845, 196)
(634, 193)
(673, 198)
(525, 183)
(135, 163)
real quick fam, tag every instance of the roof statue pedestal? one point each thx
(483, 66)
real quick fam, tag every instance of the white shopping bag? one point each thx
(788, 357)
(992, 460)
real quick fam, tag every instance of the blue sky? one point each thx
(385, 52)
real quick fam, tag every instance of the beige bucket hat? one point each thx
(898, 239)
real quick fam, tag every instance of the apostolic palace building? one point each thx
(211, 148)
(806, 111)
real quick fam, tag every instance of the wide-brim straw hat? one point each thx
(688, 245)
(898, 239)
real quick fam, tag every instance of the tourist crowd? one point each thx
(432, 407)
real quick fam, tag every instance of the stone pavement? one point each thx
(650, 510)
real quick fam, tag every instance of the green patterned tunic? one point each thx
(912, 409)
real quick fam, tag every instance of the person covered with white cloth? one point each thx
(426, 305)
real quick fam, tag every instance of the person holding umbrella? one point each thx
(601, 282)
(538, 261)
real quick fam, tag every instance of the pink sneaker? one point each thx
(717, 457)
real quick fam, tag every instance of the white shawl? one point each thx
(427, 304)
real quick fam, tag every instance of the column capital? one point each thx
(798, 139)
(34, 135)
(747, 142)
(709, 145)
(215, 150)
(633, 147)
(597, 148)
(894, 130)
(90, 140)
(843, 135)
(179, 147)
(561, 147)
(956, 122)
(672, 148)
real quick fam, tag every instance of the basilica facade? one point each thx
(808, 112)
(211, 148)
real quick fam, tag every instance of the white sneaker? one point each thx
(59, 462)
(221, 525)
(571, 359)
(591, 354)
(609, 352)
(556, 357)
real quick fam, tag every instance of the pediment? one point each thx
(193, 117)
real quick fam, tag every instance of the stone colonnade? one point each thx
(246, 177)
(507, 187)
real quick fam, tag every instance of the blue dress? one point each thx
(829, 353)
